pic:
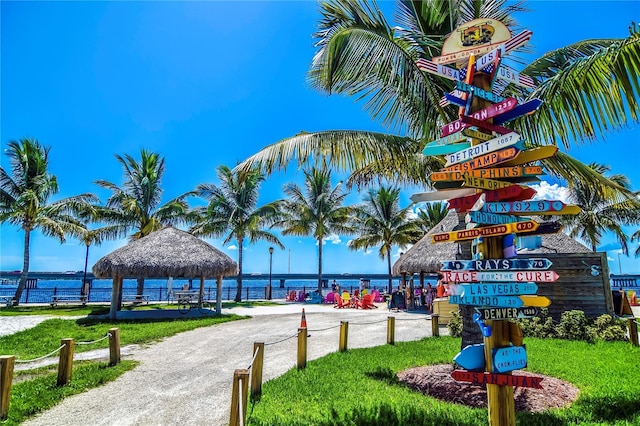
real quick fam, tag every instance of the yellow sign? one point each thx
(531, 155)
(473, 38)
(539, 301)
(487, 231)
(481, 183)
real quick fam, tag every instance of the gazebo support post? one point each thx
(116, 291)
(201, 292)
(219, 295)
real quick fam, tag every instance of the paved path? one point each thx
(186, 379)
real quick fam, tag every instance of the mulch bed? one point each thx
(436, 381)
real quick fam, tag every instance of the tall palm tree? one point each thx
(599, 214)
(431, 215)
(317, 210)
(361, 54)
(25, 194)
(95, 237)
(232, 209)
(381, 222)
(135, 206)
(636, 237)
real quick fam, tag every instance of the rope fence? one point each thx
(65, 365)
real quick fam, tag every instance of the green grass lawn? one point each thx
(359, 387)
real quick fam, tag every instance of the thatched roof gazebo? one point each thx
(168, 252)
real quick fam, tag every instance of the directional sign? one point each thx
(486, 160)
(444, 149)
(531, 155)
(471, 357)
(476, 134)
(538, 301)
(484, 125)
(545, 228)
(491, 301)
(433, 68)
(491, 218)
(506, 313)
(494, 109)
(489, 231)
(526, 207)
(512, 76)
(488, 59)
(452, 138)
(497, 264)
(500, 276)
(509, 45)
(482, 378)
(483, 148)
(456, 100)
(493, 173)
(499, 289)
(476, 91)
(490, 184)
(509, 358)
(442, 195)
(522, 109)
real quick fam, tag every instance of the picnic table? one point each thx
(187, 300)
(68, 300)
(7, 299)
(135, 299)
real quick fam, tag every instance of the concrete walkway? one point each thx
(187, 378)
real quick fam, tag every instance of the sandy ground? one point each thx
(187, 378)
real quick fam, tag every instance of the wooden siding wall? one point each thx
(578, 287)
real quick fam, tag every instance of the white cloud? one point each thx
(232, 247)
(550, 192)
(333, 239)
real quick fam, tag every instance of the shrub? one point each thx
(455, 324)
(541, 326)
(608, 328)
(573, 326)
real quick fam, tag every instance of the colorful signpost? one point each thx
(482, 378)
(445, 149)
(486, 160)
(509, 192)
(506, 313)
(491, 218)
(536, 301)
(509, 358)
(522, 109)
(471, 357)
(469, 234)
(499, 276)
(493, 173)
(476, 91)
(496, 264)
(531, 155)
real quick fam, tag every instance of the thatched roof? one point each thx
(168, 252)
(426, 257)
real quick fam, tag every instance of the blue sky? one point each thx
(211, 83)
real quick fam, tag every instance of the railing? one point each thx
(160, 294)
(625, 282)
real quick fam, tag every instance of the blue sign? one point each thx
(509, 358)
(518, 111)
(496, 264)
(489, 301)
(471, 357)
(499, 289)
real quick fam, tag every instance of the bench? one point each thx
(8, 300)
(135, 299)
(68, 300)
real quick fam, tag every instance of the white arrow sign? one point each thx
(483, 148)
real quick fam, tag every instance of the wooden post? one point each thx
(65, 364)
(256, 370)
(633, 331)
(239, 398)
(302, 348)
(500, 402)
(391, 330)
(219, 295)
(114, 346)
(6, 379)
(344, 332)
(435, 325)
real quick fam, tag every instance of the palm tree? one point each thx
(135, 204)
(25, 194)
(432, 215)
(361, 54)
(97, 236)
(380, 221)
(317, 210)
(636, 237)
(232, 208)
(599, 214)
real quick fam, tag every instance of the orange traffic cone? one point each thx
(303, 321)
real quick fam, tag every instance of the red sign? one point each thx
(470, 121)
(483, 114)
(512, 192)
(481, 378)
(499, 276)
